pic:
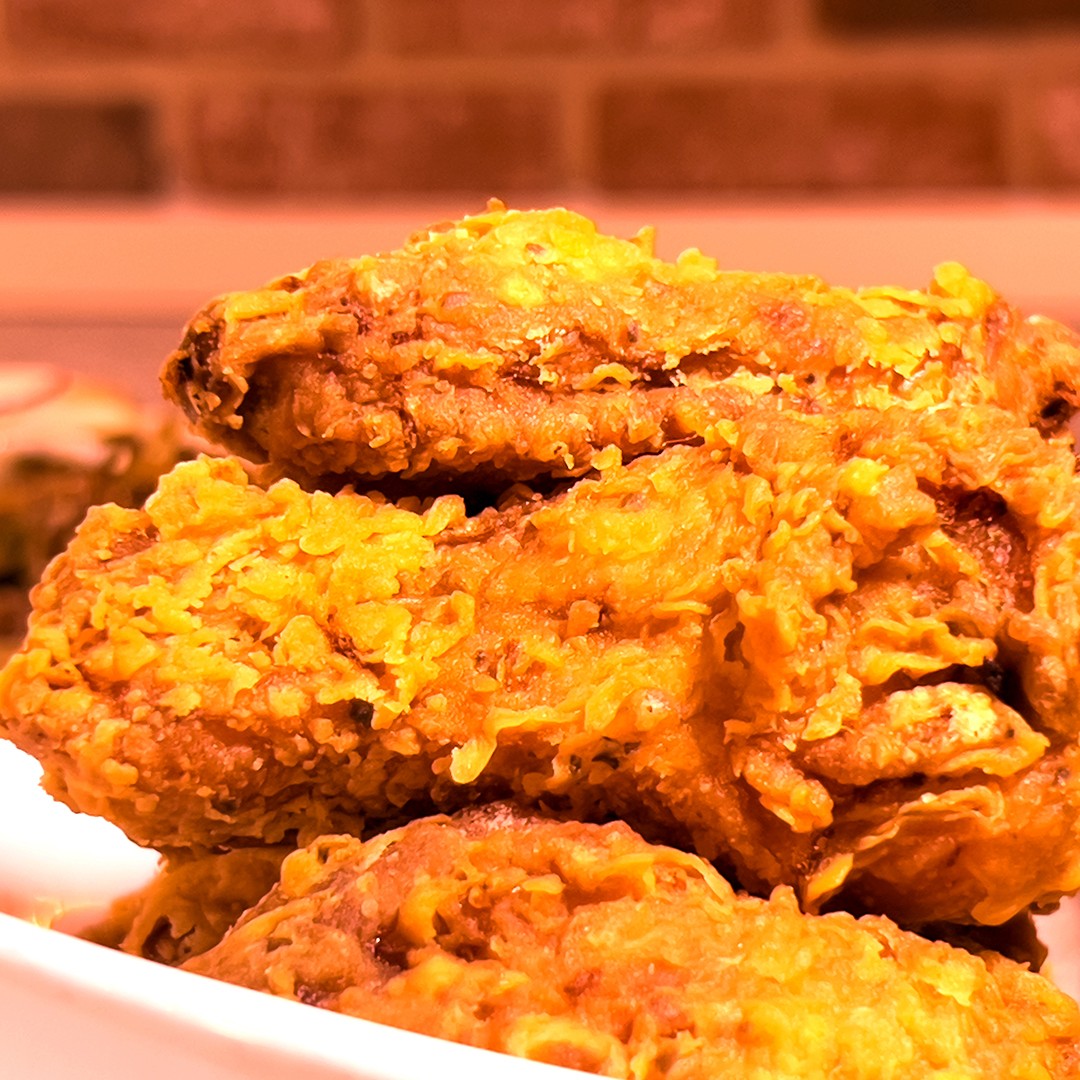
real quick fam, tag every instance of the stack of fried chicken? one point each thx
(633, 574)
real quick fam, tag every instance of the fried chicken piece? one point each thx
(517, 344)
(834, 651)
(190, 903)
(194, 899)
(584, 946)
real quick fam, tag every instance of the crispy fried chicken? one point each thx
(584, 946)
(834, 650)
(512, 345)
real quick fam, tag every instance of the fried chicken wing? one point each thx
(836, 650)
(512, 345)
(583, 946)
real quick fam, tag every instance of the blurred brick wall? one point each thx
(361, 98)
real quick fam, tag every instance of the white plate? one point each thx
(70, 1009)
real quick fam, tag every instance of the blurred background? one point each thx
(152, 154)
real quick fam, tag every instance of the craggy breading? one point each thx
(837, 651)
(195, 898)
(517, 344)
(584, 946)
(190, 903)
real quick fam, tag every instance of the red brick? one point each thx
(76, 148)
(561, 27)
(747, 136)
(696, 25)
(1054, 159)
(351, 142)
(512, 26)
(864, 16)
(183, 27)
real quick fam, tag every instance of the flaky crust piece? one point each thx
(583, 946)
(516, 344)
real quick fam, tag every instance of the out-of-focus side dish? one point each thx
(779, 574)
(584, 946)
(66, 443)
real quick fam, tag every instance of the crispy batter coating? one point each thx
(517, 344)
(190, 903)
(195, 898)
(837, 651)
(584, 946)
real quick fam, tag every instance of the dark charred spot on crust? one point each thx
(657, 378)
(270, 389)
(1056, 413)
(469, 951)
(361, 712)
(613, 752)
(848, 445)
(191, 367)
(390, 949)
(733, 645)
(345, 646)
(477, 501)
(132, 543)
(981, 522)
(184, 369)
(160, 943)
(403, 337)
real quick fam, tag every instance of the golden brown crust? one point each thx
(584, 946)
(517, 344)
(719, 643)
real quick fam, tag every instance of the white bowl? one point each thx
(72, 1009)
